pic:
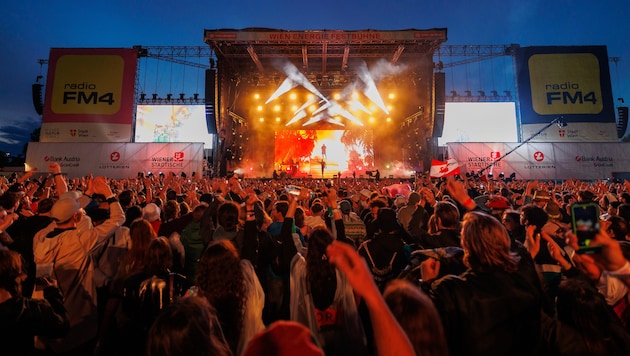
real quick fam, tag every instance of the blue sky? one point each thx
(30, 28)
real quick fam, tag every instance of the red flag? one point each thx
(441, 169)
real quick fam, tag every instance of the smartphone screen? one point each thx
(585, 223)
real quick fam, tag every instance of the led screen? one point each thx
(172, 123)
(323, 153)
(479, 122)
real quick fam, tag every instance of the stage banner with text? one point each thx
(543, 160)
(116, 160)
(572, 82)
(89, 95)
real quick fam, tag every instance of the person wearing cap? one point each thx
(497, 204)
(541, 198)
(153, 214)
(67, 244)
(554, 226)
(285, 338)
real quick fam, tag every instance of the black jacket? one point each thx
(491, 312)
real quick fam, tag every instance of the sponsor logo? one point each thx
(565, 83)
(114, 156)
(582, 158)
(88, 83)
(176, 161)
(64, 161)
(482, 162)
(539, 156)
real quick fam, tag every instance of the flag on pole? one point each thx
(441, 169)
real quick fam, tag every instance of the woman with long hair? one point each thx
(321, 297)
(141, 234)
(494, 307)
(147, 292)
(230, 284)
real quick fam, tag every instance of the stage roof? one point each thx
(318, 51)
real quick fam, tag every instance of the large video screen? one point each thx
(479, 122)
(172, 123)
(323, 153)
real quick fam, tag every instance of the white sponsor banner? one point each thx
(116, 160)
(543, 160)
(574, 132)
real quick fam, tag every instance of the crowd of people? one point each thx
(170, 265)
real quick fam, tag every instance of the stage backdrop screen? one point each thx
(323, 153)
(172, 123)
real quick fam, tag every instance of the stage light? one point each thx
(392, 95)
(319, 79)
(260, 108)
(481, 93)
(494, 93)
(256, 96)
(371, 119)
(196, 96)
(294, 108)
(154, 96)
(169, 97)
(508, 93)
(143, 96)
(262, 119)
(182, 96)
(468, 92)
(389, 119)
(277, 119)
(292, 96)
(337, 96)
(389, 108)
(276, 108)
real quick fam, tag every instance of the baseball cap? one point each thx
(345, 206)
(64, 209)
(284, 338)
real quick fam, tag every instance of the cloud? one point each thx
(15, 131)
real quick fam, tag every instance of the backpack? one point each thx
(355, 229)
